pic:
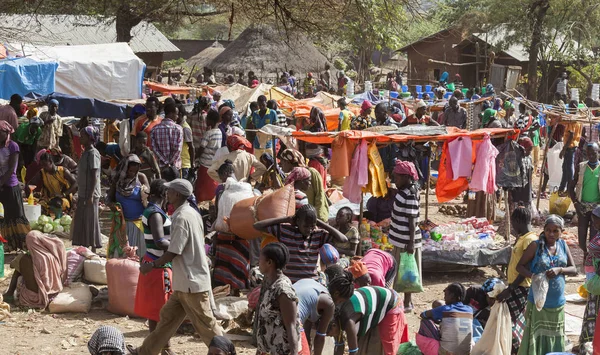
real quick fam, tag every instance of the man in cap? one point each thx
(191, 275)
(52, 129)
(419, 116)
(454, 115)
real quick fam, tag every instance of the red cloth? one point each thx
(393, 330)
(305, 347)
(150, 295)
(205, 186)
(596, 341)
(253, 297)
(313, 163)
(447, 189)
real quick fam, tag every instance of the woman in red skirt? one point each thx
(154, 288)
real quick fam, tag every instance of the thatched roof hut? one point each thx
(267, 52)
(204, 57)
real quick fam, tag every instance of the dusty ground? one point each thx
(33, 332)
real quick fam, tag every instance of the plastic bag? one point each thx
(408, 280)
(233, 193)
(592, 285)
(559, 205)
(509, 166)
(539, 287)
(497, 335)
(409, 348)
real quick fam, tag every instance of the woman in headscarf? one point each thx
(127, 189)
(592, 268)
(316, 122)
(316, 194)
(42, 271)
(107, 340)
(300, 177)
(363, 120)
(57, 185)
(63, 160)
(545, 328)
(274, 177)
(86, 224)
(317, 160)
(220, 345)
(14, 226)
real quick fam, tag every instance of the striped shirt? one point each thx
(372, 303)
(281, 119)
(406, 205)
(210, 142)
(304, 251)
(167, 143)
(152, 250)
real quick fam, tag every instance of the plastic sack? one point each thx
(592, 285)
(539, 287)
(94, 271)
(408, 280)
(122, 277)
(497, 335)
(245, 213)
(233, 193)
(74, 266)
(509, 165)
(77, 298)
(554, 165)
(559, 205)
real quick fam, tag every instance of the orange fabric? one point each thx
(447, 189)
(169, 88)
(151, 293)
(301, 110)
(393, 330)
(305, 347)
(358, 269)
(342, 150)
(139, 123)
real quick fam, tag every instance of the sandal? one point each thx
(131, 349)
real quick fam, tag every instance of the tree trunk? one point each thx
(124, 23)
(538, 10)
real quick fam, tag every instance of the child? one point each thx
(304, 235)
(455, 320)
(86, 225)
(343, 221)
(149, 165)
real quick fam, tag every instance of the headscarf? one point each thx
(107, 339)
(488, 114)
(53, 102)
(297, 174)
(525, 142)
(317, 120)
(229, 103)
(35, 120)
(222, 343)
(508, 105)
(365, 106)
(406, 168)
(137, 109)
(93, 133)
(489, 284)
(33, 112)
(6, 127)
(269, 158)
(489, 89)
(39, 154)
(294, 157)
(125, 185)
(358, 269)
(498, 104)
(235, 142)
(555, 219)
(254, 84)
(329, 254)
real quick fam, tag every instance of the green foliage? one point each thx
(169, 64)
(339, 64)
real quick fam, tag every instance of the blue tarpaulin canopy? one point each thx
(23, 75)
(367, 95)
(82, 106)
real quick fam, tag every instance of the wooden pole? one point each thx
(427, 184)
(544, 158)
(274, 147)
(507, 216)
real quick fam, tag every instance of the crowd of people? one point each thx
(310, 279)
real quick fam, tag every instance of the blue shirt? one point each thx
(456, 327)
(132, 204)
(270, 117)
(308, 292)
(542, 262)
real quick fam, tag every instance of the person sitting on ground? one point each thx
(372, 318)
(343, 223)
(304, 235)
(220, 345)
(316, 193)
(63, 160)
(42, 271)
(454, 332)
(454, 115)
(300, 177)
(110, 153)
(376, 268)
(57, 183)
(149, 165)
(419, 117)
(315, 308)
(478, 298)
(107, 340)
(363, 120)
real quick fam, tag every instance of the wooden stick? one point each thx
(427, 184)
(507, 216)
(544, 158)
(451, 64)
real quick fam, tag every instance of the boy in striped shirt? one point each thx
(303, 235)
(404, 234)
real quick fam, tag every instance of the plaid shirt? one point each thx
(197, 123)
(167, 142)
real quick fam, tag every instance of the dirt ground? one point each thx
(34, 332)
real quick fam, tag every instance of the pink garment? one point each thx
(359, 174)
(484, 171)
(461, 150)
(8, 114)
(378, 263)
(49, 267)
(393, 330)
(428, 346)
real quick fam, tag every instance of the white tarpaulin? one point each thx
(100, 71)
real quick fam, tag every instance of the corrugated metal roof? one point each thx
(80, 30)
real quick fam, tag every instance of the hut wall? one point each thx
(468, 55)
(191, 47)
(153, 61)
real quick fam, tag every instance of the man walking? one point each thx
(191, 275)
